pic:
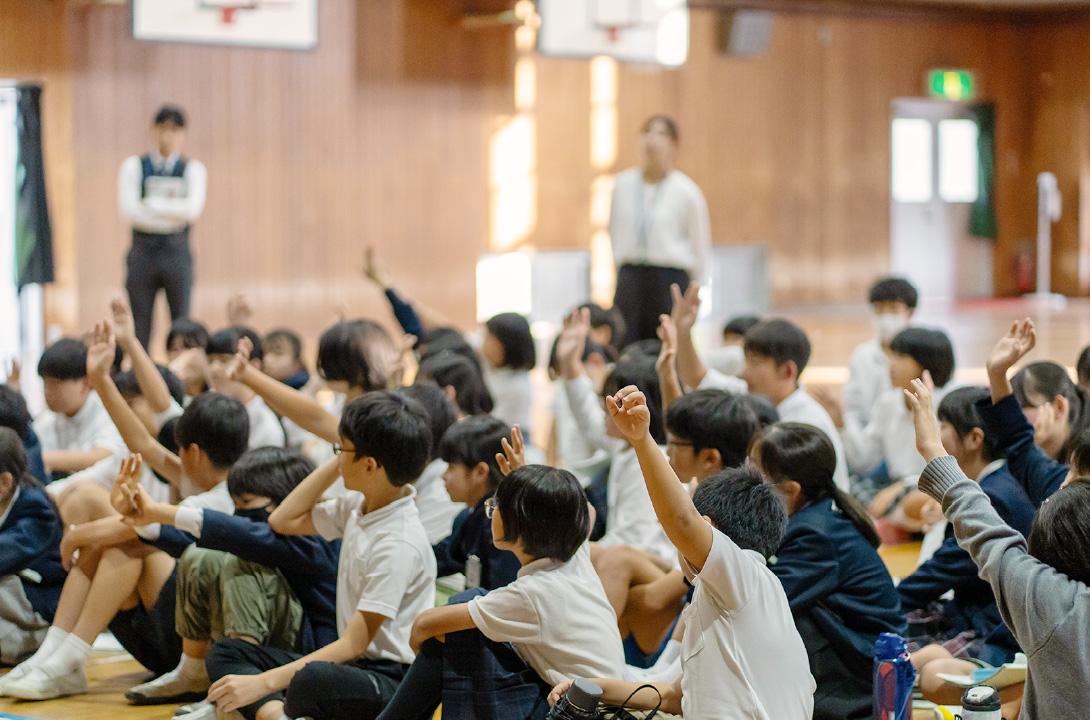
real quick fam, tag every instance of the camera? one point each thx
(580, 702)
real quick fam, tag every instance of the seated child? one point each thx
(433, 502)
(973, 609)
(1042, 584)
(31, 574)
(238, 578)
(385, 578)
(893, 302)
(265, 427)
(79, 442)
(508, 350)
(555, 615)
(283, 358)
(186, 357)
(607, 327)
(840, 592)
(469, 449)
(741, 654)
(15, 415)
(730, 357)
(460, 378)
(566, 446)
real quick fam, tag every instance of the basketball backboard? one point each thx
(289, 24)
(648, 31)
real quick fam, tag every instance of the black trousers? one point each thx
(321, 690)
(643, 294)
(158, 262)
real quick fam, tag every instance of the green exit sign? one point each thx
(957, 85)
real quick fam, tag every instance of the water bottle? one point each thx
(580, 702)
(894, 677)
(981, 703)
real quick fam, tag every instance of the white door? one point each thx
(935, 178)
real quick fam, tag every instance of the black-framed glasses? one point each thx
(338, 448)
(489, 507)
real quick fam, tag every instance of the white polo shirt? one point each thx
(741, 657)
(265, 427)
(88, 429)
(799, 407)
(890, 436)
(558, 619)
(386, 567)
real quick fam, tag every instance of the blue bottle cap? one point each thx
(890, 645)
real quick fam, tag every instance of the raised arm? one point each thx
(413, 317)
(100, 355)
(293, 516)
(300, 408)
(687, 530)
(666, 365)
(686, 308)
(152, 385)
(1011, 348)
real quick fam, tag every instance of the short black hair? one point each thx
(476, 440)
(218, 424)
(65, 359)
(129, 387)
(170, 114)
(282, 337)
(225, 342)
(612, 318)
(714, 419)
(1077, 455)
(740, 325)
(358, 352)
(14, 413)
(393, 430)
(781, 340)
(450, 369)
(271, 472)
(1082, 367)
(930, 348)
(441, 411)
(667, 122)
(513, 333)
(191, 332)
(745, 508)
(1060, 533)
(766, 412)
(545, 509)
(894, 289)
(641, 372)
(961, 408)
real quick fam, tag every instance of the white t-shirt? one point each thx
(437, 510)
(665, 224)
(890, 435)
(558, 619)
(574, 451)
(386, 567)
(88, 429)
(716, 380)
(741, 656)
(799, 407)
(513, 397)
(631, 519)
(265, 427)
(868, 378)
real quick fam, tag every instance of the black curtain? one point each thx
(33, 233)
(982, 216)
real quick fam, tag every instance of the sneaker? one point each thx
(14, 674)
(169, 689)
(38, 684)
(200, 711)
(191, 708)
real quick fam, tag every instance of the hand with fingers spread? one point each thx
(123, 325)
(101, 349)
(630, 413)
(121, 495)
(237, 369)
(1012, 347)
(923, 418)
(514, 453)
(572, 343)
(686, 307)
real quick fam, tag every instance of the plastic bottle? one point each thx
(894, 677)
(981, 703)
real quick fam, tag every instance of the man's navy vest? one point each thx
(147, 169)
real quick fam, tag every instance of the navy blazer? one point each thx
(308, 562)
(1039, 474)
(952, 568)
(30, 539)
(834, 578)
(471, 534)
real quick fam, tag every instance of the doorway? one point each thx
(935, 179)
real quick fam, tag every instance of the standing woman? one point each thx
(160, 194)
(659, 228)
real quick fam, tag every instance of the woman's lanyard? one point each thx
(645, 215)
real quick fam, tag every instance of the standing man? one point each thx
(160, 194)
(658, 224)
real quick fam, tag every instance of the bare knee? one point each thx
(84, 501)
(929, 654)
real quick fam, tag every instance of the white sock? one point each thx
(69, 657)
(191, 668)
(54, 636)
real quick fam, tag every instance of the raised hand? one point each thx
(101, 349)
(572, 343)
(124, 327)
(630, 413)
(686, 307)
(514, 453)
(372, 270)
(241, 360)
(239, 309)
(667, 332)
(1013, 346)
(923, 418)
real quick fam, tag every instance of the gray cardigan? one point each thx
(1048, 613)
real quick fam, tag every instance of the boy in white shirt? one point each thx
(552, 622)
(265, 427)
(742, 657)
(385, 578)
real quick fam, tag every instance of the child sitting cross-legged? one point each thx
(385, 577)
(741, 655)
(504, 649)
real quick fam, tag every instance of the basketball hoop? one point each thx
(229, 10)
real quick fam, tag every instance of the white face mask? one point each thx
(728, 359)
(887, 325)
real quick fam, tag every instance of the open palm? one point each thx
(1013, 346)
(100, 351)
